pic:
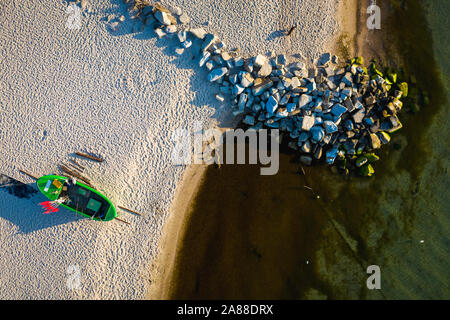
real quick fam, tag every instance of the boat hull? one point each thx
(83, 199)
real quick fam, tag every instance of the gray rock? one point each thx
(308, 123)
(306, 160)
(199, 33)
(349, 105)
(216, 74)
(324, 59)
(318, 152)
(330, 127)
(285, 99)
(295, 82)
(171, 29)
(374, 141)
(179, 51)
(338, 110)
(347, 80)
(317, 133)
(281, 59)
(260, 85)
(265, 70)
(237, 89)
(205, 57)
(335, 59)
(187, 43)
(303, 137)
(359, 115)
(208, 41)
(249, 120)
(242, 100)
(182, 36)
(260, 60)
(177, 11)
(210, 65)
(348, 124)
(306, 147)
(163, 17)
(297, 66)
(291, 107)
(184, 18)
(238, 62)
(247, 79)
(220, 97)
(271, 105)
(304, 100)
(331, 154)
(160, 33)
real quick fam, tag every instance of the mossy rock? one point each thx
(397, 146)
(392, 77)
(426, 99)
(375, 71)
(367, 170)
(413, 93)
(372, 157)
(414, 107)
(361, 161)
(403, 87)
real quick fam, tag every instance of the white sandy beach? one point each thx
(119, 95)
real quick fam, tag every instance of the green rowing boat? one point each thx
(77, 197)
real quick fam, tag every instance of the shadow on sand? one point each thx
(19, 204)
(187, 61)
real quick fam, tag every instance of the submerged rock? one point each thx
(306, 160)
(367, 170)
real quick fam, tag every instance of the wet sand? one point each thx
(174, 230)
(269, 237)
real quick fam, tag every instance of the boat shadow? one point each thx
(19, 204)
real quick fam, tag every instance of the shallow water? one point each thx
(252, 236)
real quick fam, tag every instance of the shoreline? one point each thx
(183, 206)
(181, 211)
(356, 232)
(173, 231)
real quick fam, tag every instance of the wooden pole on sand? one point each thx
(123, 208)
(122, 220)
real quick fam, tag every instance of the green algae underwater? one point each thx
(269, 237)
